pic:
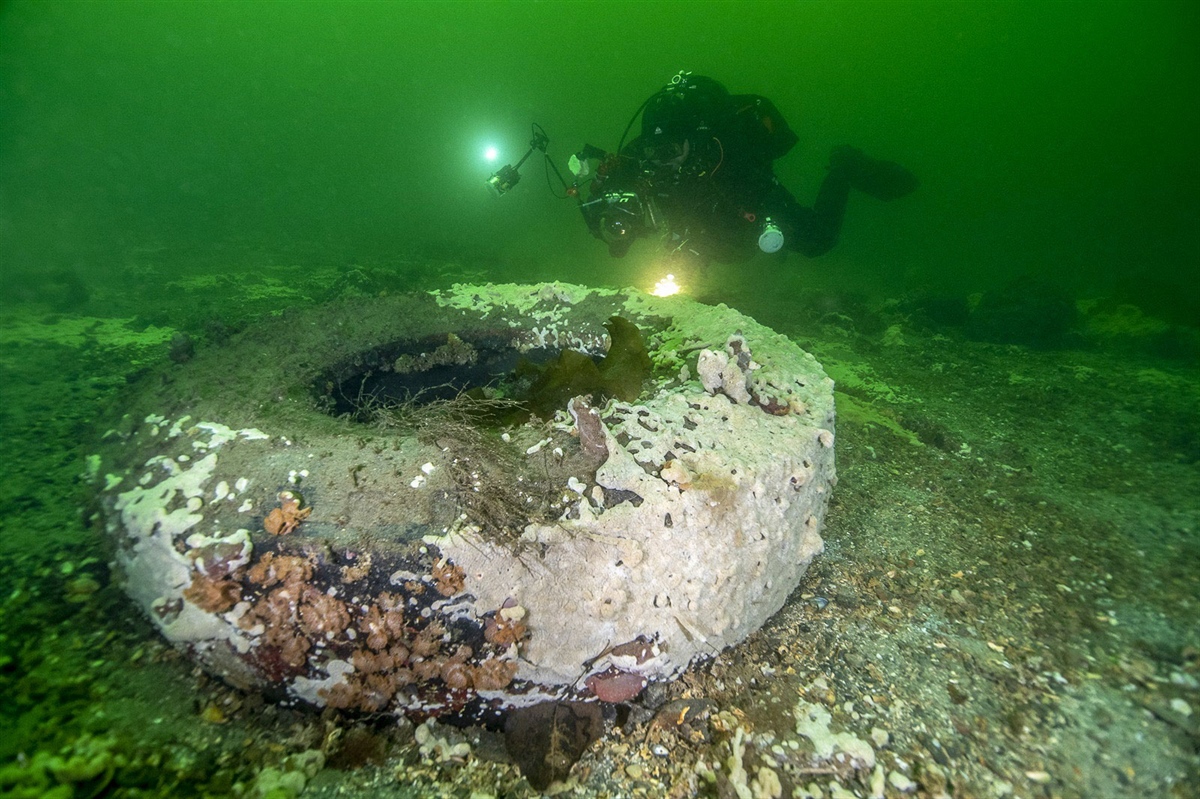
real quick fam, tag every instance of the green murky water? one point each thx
(1010, 583)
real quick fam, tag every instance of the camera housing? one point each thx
(503, 179)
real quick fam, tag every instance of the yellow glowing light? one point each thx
(665, 287)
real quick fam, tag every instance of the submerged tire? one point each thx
(290, 549)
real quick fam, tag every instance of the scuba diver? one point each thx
(701, 177)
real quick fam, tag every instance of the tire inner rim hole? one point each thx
(436, 368)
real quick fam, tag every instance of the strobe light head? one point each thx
(503, 179)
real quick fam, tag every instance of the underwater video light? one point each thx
(503, 179)
(507, 176)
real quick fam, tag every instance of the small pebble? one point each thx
(635, 770)
(81, 589)
(901, 783)
(1186, 680)
(537, 447)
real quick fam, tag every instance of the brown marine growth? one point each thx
(321, 615)
(214, 596)
(494, 674)
(288, 516)
(272, 569)
(621, 373)
(505, 628)
(448, 577)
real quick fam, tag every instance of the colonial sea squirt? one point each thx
(433, 568)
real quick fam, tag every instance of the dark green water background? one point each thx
(1057, 139)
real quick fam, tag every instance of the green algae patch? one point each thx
(1105, 322)
(863, 398)
(860, 379)
(853, 410)
(78, 331)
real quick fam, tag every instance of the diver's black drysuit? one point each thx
(701, 175)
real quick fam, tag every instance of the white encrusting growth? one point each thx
(688, 530)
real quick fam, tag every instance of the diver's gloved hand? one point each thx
(883, 180)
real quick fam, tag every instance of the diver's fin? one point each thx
(883, 180)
